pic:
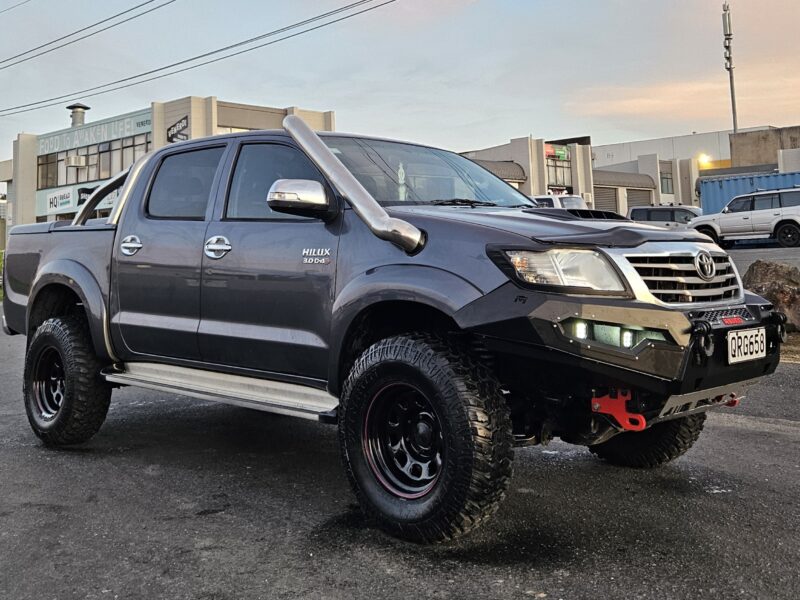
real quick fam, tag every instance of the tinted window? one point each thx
(545, 202)
(661, 214)
(639, 214)
(789, 199)
(684, 216)
(257, 168)
(739, 205)
(765, 202)
(183, 184)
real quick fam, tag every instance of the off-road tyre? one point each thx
(653, 447)
(75, 412)
(788, 235)
(475, 437)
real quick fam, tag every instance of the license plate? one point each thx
(746, 344)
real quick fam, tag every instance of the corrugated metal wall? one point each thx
(716, 193)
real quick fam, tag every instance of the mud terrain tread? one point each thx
(653, 447)
(487, 429)
(90, 396)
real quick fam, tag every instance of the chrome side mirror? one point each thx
(299, 196)
(726, 210)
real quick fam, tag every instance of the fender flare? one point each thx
(79, 279)
(419, 284)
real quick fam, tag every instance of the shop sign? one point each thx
(58, 199)
(175, 133)
(556, 151)
(95, 133)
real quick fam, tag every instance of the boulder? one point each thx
(778, 283)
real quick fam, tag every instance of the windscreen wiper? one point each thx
(462, 202)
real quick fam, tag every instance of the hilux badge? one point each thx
(316, 256)
(704, 263)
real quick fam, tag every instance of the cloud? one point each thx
(765, 93)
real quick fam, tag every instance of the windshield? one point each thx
(396, 173)
(572, 202)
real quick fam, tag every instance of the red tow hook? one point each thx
(613, 404)
(734, 401)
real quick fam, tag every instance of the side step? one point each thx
(260, 394)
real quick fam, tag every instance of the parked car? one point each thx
(569, 202)
(761, 215)
(671, 217)
(397, 290)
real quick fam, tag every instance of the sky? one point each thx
(460, 74)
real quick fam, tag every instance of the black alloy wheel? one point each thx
(48, 385)
(403, 441)
(788, 235)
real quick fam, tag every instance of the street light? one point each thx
(727, 44)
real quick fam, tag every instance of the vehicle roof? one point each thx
(284, 133)
(762, 192)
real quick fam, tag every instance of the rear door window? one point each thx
(639, 214)
(182, 187)
(790, 199)
(766, 202)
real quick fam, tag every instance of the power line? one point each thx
(63, 37)
(84, 93)
(131, 18)
(208, 62)
(12, 7)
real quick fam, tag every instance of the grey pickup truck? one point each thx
(398, 291)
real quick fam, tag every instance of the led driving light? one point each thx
(610, 334)
(587, 269)
(627, 338)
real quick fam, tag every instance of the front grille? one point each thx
(673, 279)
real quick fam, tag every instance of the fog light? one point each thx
(627, 338)
(581, 330)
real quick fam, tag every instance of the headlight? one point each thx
(586, 269)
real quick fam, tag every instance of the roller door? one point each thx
(639, 197)
(605, 198)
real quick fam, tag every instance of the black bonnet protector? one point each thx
(557, 227)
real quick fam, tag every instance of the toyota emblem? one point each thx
(706, 268)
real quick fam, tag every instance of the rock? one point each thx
(778, 283)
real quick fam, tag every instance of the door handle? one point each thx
(130, 245)
(217, 246)
(745, 218)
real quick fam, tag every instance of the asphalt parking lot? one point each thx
(746, 254)
(178, 498)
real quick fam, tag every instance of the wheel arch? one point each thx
(388, 301)
(58, 287)
(784, 221)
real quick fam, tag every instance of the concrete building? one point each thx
(537, 167)
(52, 174)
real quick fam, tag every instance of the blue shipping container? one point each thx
(716, 193)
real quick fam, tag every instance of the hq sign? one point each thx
(59, 199)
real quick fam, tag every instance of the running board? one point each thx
(260, 394)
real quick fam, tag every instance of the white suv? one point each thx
(760, 215)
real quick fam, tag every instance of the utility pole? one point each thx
(727, 32)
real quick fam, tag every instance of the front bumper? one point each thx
(532, 329)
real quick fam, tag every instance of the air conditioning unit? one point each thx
(587, 197)
(76, 161)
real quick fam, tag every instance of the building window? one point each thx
(101, 161)
(666, 183)
(559, 173)
(48, 171)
